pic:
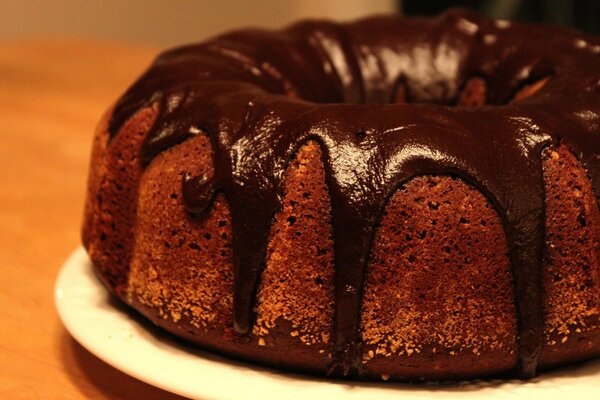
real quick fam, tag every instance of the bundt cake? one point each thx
(392, 198)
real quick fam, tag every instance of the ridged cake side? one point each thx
(454, 317)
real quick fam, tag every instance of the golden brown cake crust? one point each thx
(110, 208)
(571, 277)
(439, 289)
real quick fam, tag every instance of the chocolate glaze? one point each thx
(259, 95)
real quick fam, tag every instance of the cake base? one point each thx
(122, 338)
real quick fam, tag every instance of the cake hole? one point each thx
(361, 135)
(433, 206)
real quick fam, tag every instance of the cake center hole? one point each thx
(475, 92)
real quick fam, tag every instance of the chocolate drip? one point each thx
(243, 90)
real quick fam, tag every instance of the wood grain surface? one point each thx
(52, 93)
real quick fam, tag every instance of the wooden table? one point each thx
(52, 93)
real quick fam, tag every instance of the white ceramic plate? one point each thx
(129, 343)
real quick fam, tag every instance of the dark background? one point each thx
(582, 14)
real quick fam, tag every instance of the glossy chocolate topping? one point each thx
(259, 95)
